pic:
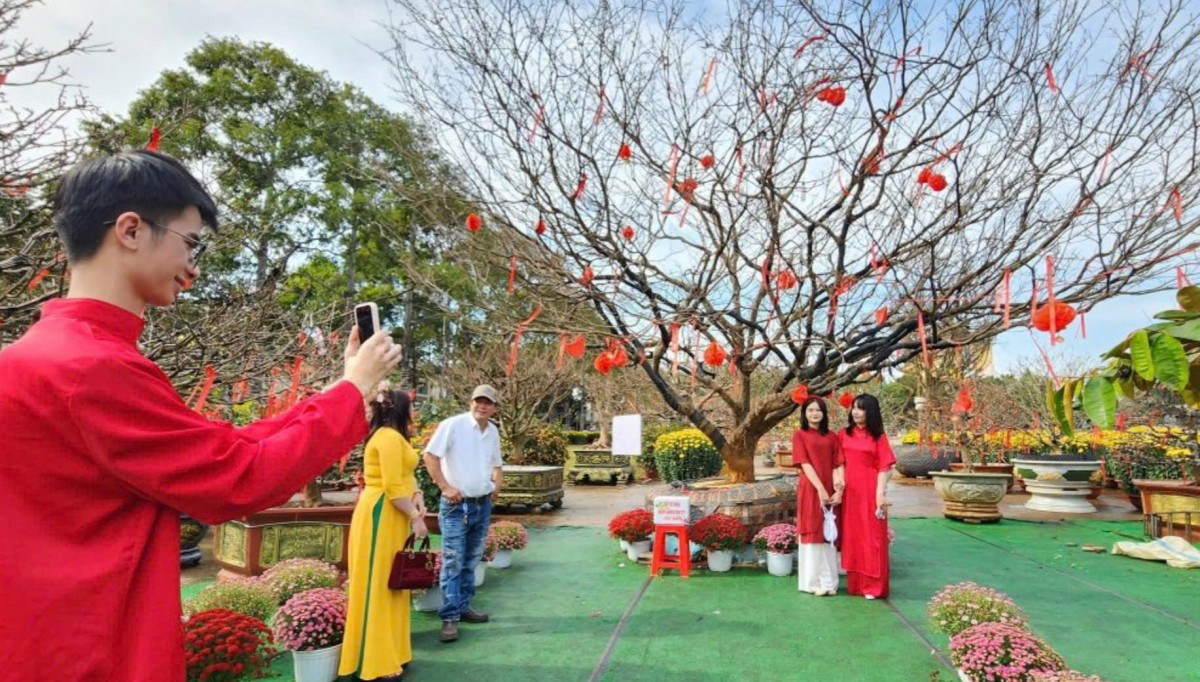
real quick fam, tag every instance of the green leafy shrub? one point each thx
(292, 576)
(548, 447)
(686, 455)
(249, 597)
(581, 437)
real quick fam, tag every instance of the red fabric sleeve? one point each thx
(839, 456)
(139, 430)
(884, 456)
(799, 451)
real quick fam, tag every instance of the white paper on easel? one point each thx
(627, 434)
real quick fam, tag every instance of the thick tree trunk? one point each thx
(739, 469)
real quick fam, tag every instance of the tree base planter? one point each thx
(191, 532)
(320, 665)
(918, 461)
(770, 499)
(503, 559)
(780, 564)
(428, 600)
(252, 544)
(1170, 508)
(601, 466)
(531, 486)
(720, 561)
(971, 496)
(1057, 486)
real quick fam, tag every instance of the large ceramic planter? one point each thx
(769, 500)
(1006, 469)
(1057, 486)
(918, 461)
(780, 564)
(191, 532)
(971, 496)
(320, 665)
(531, 486)
(720, 561)
(254, 543)
(1171, 508)
(600, 466)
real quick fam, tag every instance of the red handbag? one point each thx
(413, 567)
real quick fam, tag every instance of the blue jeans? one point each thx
(464, 528)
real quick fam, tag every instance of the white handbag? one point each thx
(830, 528)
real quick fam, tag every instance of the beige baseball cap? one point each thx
(485, 391)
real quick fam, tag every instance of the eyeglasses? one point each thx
(196, 247)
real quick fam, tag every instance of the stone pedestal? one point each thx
(531, 486)
(252, 544)
(601, 466)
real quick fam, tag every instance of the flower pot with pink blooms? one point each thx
(779, 542)
(312, 624)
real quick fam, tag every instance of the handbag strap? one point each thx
(411, 541)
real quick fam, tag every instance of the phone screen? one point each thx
(365, 321)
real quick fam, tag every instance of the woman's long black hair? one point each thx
(392, 408)
(869, 404)
(823, 427)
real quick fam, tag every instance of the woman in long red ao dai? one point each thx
(869, 462)
(818, 453)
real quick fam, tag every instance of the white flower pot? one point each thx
(963, 675)
(319, 665)
(480, 569)
(503, 559)
(624, 546)
(780, 564)
(638, 549)
(720, 561)
(428, 600)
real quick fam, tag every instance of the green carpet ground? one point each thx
(558, 613)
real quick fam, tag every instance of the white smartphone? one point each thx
(366, 316)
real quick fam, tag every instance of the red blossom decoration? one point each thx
(634, 525)
(474, 222)
(627, 233)
(846, 400)
(714, 355)
(707, 161)
(222, 646)
(937, 182)
(800, 394)
(541, 228)
(1063, 316)
(834, 95)
(625, 153)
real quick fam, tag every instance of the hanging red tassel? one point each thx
(674, 348)
(588, 276)
(580, 187)
(512, 356)
(673, 163)
(737, 187)
(155, 136)
(577, 347)
(803, 46)
(512, 274)
(924, 342)
(241, 389)
(541, 227)
(210, 377)
(712, 68)
(37, 279)
(1177, 201)
(562, 351)
(1120, 421)
(294, 389)
(625, 153)
(1082, 326)
(538, 118)
(599, 109)
(881, 316)
(1050, 79)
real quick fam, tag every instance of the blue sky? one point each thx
(146, 36)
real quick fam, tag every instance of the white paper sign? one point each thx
(671, 511)
(627, 434)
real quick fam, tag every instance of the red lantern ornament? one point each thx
(881, 316)
(834, 95)
(846, 400)
(714, 355)
(618, 357)
(924, 175)
(963, 404)
(625, 153)
(688, 187)
(707, 161)
(1063, 316)
(937, 182)
(603, 363)
(627, 233)
(785, 280)
(541, 227)
(588, 276)
(474, 222)
(800, 394)
(577, 347)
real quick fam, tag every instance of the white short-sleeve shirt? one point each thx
(468, 453)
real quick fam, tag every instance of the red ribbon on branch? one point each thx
(512, 356)
(210, 377)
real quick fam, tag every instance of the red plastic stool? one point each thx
(660, 560)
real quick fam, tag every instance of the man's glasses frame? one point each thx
(195, 246)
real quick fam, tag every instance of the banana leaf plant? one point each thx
(1166, 353)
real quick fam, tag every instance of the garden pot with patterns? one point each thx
(318, 665)
(1058, 484)
(918, 461)
(971, 496)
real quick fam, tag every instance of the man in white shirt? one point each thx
(463, 459)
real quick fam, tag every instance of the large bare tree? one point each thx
(808, 186)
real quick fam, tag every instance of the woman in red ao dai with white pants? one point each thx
(818, 453)
(869, 462)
